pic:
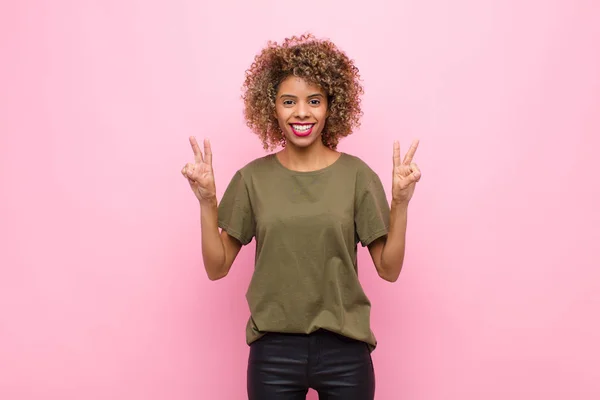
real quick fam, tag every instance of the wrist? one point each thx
(208, 202)
(400, 204)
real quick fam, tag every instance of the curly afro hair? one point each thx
(318, 62)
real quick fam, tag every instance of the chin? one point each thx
(302, 143)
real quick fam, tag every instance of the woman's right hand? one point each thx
(200, 173)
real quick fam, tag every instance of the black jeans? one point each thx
(285, 366)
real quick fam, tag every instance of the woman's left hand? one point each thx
(406, 174)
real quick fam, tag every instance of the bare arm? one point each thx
(219, 249)
(388, 252)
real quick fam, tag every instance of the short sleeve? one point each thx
(372, 214)
(235, 211)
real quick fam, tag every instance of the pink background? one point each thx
(102, 289)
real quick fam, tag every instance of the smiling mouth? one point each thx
(302, 129)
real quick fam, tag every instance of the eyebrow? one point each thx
(295, 97)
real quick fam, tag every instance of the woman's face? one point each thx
(301, 110)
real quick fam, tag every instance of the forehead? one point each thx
(297, 86)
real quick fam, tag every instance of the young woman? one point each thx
(307, 206)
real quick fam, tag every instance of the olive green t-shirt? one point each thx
(307, 226)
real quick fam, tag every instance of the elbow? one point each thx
(389, 277)
(215, 276)
(389, 274)
(216, 271)
(215, 265)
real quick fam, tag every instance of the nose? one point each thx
(302, 110)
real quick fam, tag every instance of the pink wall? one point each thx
(102, 289)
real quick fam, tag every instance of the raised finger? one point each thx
(207, 152)
(197, 152)
(411, 152)
(396, 156)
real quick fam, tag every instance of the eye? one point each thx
(288, 102)
(315, 102)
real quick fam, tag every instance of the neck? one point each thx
(311, 158)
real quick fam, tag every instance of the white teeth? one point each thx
(302, 128)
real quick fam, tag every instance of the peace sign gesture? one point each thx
(200, 173)
(405, 175)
